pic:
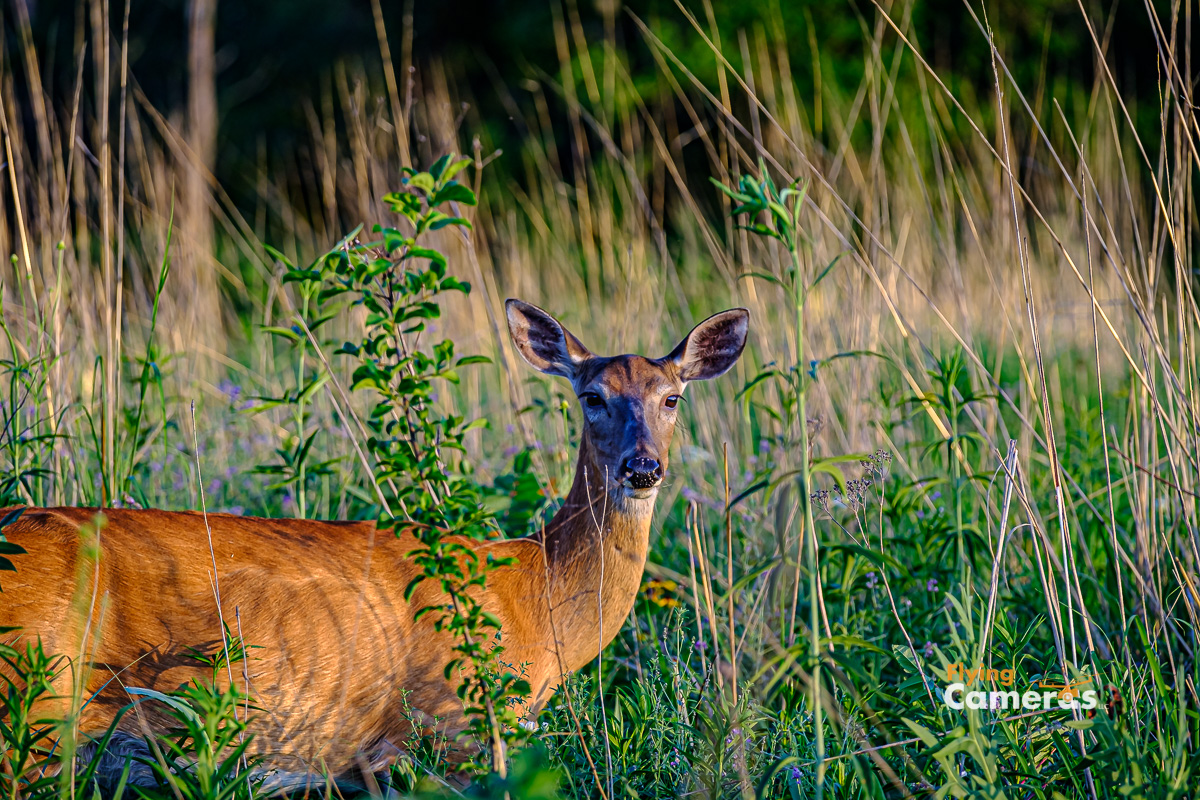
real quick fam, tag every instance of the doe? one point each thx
(336, 652)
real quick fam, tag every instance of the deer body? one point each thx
(335, 653)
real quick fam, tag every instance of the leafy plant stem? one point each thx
(801, 296)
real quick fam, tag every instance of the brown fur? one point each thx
(323, 601)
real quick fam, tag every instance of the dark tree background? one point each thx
(273, 57)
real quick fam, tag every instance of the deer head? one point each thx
(629, 402)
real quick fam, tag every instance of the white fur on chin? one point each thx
(630, 494)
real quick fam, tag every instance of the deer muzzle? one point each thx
(642, 472)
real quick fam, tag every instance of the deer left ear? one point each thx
(543, 341)
(713, 346)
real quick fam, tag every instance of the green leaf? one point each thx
(853, 641)
(445, 220)
(765, 276)
(924, 734)
(815, 364)
(455, 168)
(422, 180)
(301, 276)
(741, 198)
(821, 276)
(453, 284)
(756, 381)
(752, 489)
(183, 708)
(454, 193)
(308, 391)
(264, 403)
(880, 559)
(439, 165)
(425, 252)
(405, 203)
(286, 333)
(278, 256)
(11, 516)
(393, 239)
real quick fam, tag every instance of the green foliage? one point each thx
(150, 375)
(424, 481)
(204, 758)
(26, 739)
(27, 429)
(775, 214)
(294, 468)
(8, 548)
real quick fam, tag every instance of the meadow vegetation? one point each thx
(964, 429)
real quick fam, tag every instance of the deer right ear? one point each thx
(543, 341)
(713, 346)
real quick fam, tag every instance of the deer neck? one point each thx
(596, 549)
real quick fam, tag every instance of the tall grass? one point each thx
(1010, 316)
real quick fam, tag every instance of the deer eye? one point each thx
(592, 400)
(671, 401)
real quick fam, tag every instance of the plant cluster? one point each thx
(424, 482)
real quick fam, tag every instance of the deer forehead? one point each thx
(630, 375)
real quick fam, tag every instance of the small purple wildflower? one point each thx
(928, 649)
(931, 585)
(872, 580)
(231, 390)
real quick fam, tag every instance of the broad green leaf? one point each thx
(454, 193)
(924, 734)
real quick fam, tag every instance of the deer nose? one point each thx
(642, 472)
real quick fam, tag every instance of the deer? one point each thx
(333, 651)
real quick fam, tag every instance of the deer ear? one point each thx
(543, 341)
(713, 346)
